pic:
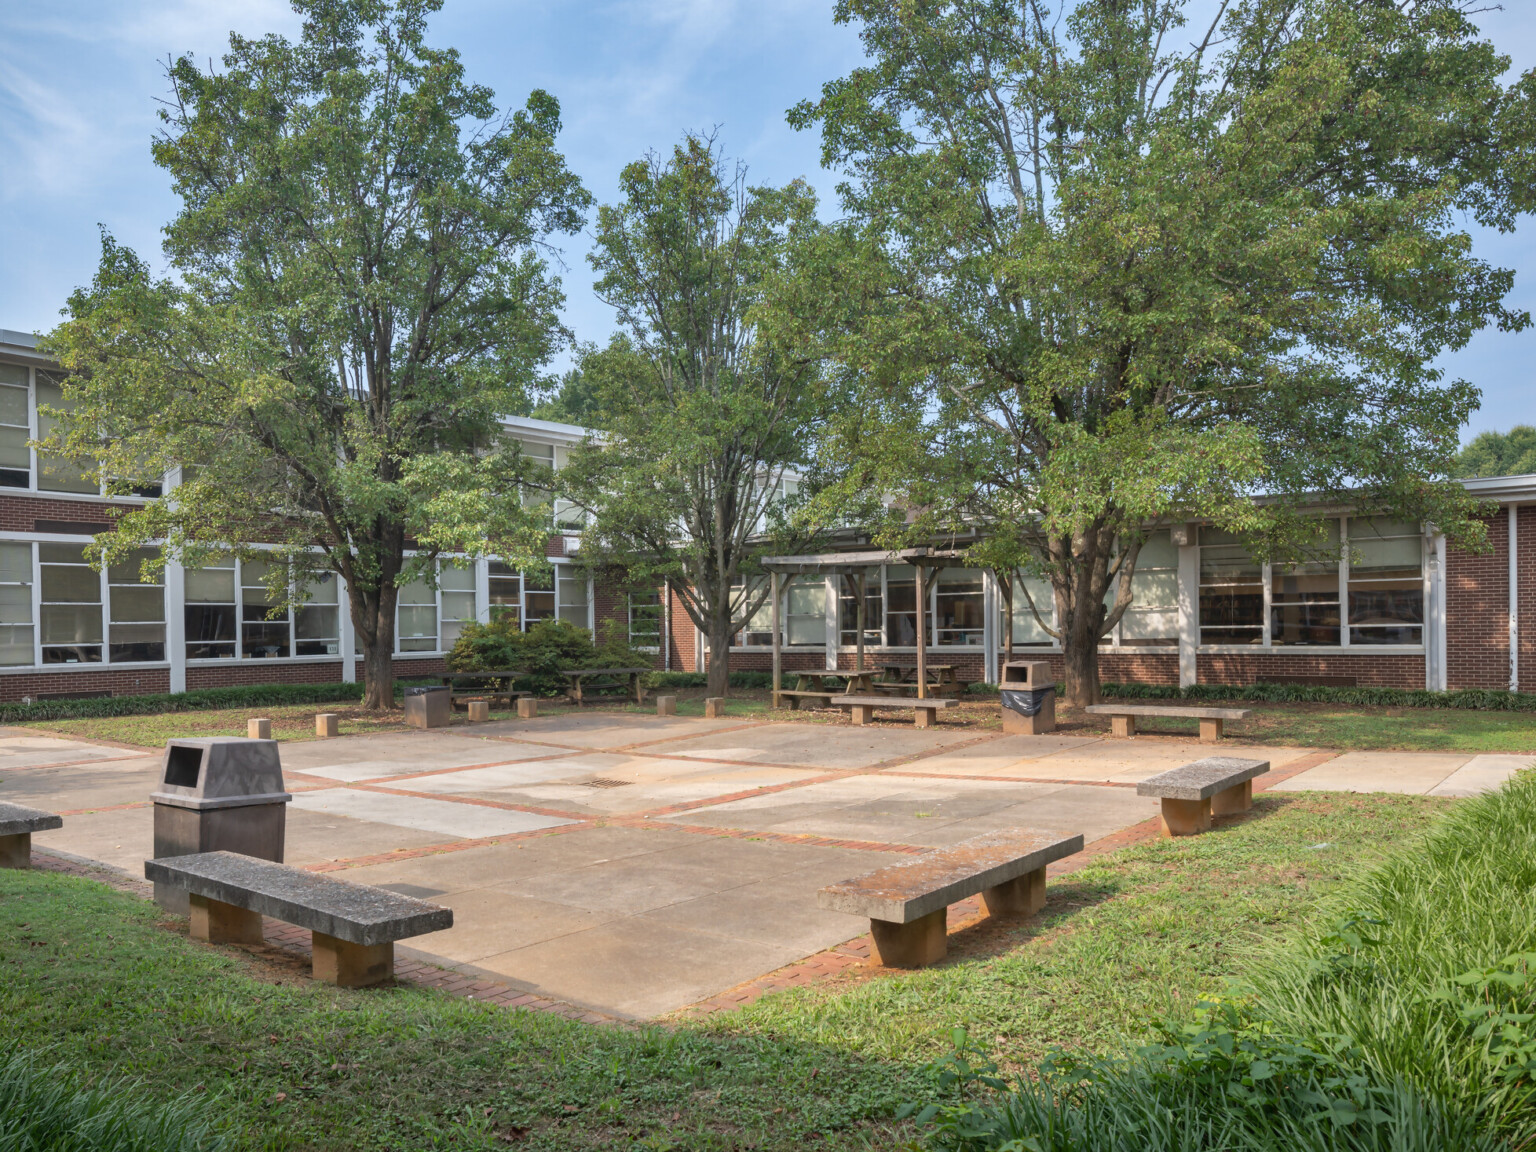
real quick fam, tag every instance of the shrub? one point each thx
(43, 1110)
(1481, 699)
(546, 649)
(204, 699)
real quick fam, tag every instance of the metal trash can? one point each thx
(223, 794)
(428, 706)
(1028, 693)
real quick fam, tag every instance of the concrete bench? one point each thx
(821, 699)
(925, 713)
(16, 827)
(354, 926)
(1123, 717)
(907, 903)
(1222, 785)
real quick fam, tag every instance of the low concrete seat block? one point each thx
(1191, 794)
(1122, 717)
(924, 712)
(354, 925)
(17, 823)
(906, 903)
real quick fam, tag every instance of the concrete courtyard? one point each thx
(634, 865)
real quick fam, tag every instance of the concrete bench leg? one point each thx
(349, 965)
(527, 707)
(479, 711)
(863, 714)
(714, 707)
(1186, 817)
(1238, 798)
(221, 923)
(1022, 896)
(925, 717)
(1210, 731)
(258, 728)
(16, 850)
(327, 725)
(666, 705)
(922, 942)
(1123, 726)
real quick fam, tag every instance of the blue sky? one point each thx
(79, 83)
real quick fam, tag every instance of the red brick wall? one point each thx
(684, 647)
(1378, 670)
(1526, 583)
(1477, 612)
(20, 513)
(118, 681)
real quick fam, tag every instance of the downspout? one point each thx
(1514, 597)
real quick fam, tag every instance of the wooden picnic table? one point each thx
(499, 688)
(852, 681)
(604, 683)
(903, 678)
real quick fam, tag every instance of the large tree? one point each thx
(1112, 271)
(359, 290)
(703, 414)
(1511, 453)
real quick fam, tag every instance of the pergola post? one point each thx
(778, 648)
(1007, 579)
(922, 632)
(858, 659)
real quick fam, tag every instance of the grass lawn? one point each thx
(95, 978)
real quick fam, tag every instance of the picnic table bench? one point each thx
(810, 686)
(1219, 785)
(925, 712)
(354, 926)
(463, 690)
(907, 903)
(1123, 717)
(900, 678)
(604, 683)
(17, 823)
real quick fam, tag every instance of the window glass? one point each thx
(1386, 582)
(317, 622)
(1304, 597)
(416, 618)
(1231, 591)
(758, 630)
(16, 604)
(15, 430)
(136, 609)
(645, 619)
(538, 596)
(70, 595)
(957, 607)
(1153, 617)
(210, 610)
(539, 454)
(1027, 630)
(55, 473)
(901, 606)
(457, 595)
(573, 596)
(262, 637)
(805, 611)
(848, 608)
(506, 591)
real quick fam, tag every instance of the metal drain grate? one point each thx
(602, 782)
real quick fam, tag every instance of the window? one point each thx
(538, 597)
(572, 588)
(416, 618)
(957, 607)
(506, 592)
(901, 606)
(1231, 591)
(758, 630)
(848, 608)
(55, 473)
(262, 637)
(15, 430)
(1304, 597)
(1153, 617)
(1386, 582)
(805, 612)
(70, 594)
(645, 619)
(210, 610)
(136, 609)
(537, 454)
(16, 604)
(1028, 632)
(457, 594)
(317, 622)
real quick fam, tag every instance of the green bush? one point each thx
(744, 679)
(1480, 699)
(204, 699)
(546, 649)
(44, 1110)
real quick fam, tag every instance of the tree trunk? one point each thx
(1082, 682)
(718, 680)
(378, 642)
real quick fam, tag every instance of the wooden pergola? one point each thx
(856, 564)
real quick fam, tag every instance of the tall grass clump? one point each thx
(44, 1109)
(1405, 1021)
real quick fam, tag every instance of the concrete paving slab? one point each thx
(1103, 760)
(387, 754)
(487, 922)
(82, 786)
(518, 773)
(1411, 773)
(655, 880)
(123, 838)
(814, 745)
(443, 817)
(1482, 774)
(602, 730)
(315, 836)
(1006, 755)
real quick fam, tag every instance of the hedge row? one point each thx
(699, 680)
(1480, 699)
(250, 695)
